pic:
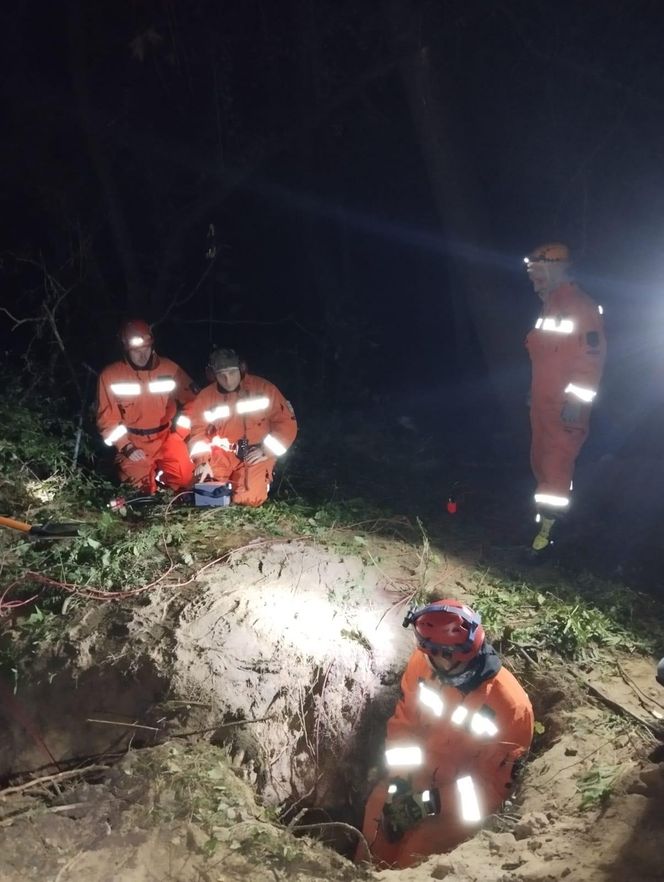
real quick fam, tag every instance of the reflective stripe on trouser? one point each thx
(553, 452)
(250, 482)
(167, 454)
(432, 835)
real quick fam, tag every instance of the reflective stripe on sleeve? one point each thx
(126, 388)
(580, 392)
(183, 421)
(555, 326)
(221, 412)
(199, 447)
(404, 756)
(251, 405)
(164, 384)
(553, 501)
(481, 724)
(115, 435)
(470, 808)
(274, 445)
(459, 715)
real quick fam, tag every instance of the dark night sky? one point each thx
(131, 126)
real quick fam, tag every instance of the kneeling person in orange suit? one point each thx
(240, 424)
(567, 349)
(137, 399)
(454, 745)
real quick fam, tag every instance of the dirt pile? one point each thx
(287, 658)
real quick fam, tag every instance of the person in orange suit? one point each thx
(137, 399)
(455, 743)
(240, 425)
(567, 350)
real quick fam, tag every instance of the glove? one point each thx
(572, 412)
(133, 454)
(203, 472)
(255, 454)
(406, 808)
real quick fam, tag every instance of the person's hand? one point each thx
(203, 472)
(572, 412)
(133, 454)
(255, 454)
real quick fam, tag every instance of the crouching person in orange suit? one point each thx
(137, 399)
(239, 426)
(455, 743)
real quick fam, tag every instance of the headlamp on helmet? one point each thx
(136, 333)
(552, 252)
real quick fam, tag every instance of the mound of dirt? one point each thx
(288, 658)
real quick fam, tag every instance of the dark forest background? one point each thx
(344, 191)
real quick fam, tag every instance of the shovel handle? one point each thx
(15, 525)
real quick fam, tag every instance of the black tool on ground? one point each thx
(405, 808)
(49, 530)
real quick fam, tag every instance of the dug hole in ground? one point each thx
(231, 728)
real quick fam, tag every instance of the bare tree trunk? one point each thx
(98, 157)
(456, 192)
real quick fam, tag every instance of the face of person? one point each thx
(228, 378)
(140, 356)
(441, 663)
(545, 276)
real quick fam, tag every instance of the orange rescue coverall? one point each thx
(255, 411)
(137, 405)
(566, 346)
(457, 744)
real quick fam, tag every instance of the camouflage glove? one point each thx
(406, 808)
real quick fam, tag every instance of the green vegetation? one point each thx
(596, 786)
(573, 619)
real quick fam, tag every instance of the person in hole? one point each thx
(455, 743)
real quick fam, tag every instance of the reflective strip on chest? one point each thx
(220, 412)
(183, 421)
(161, 385)
(252, 405)
(479, 723)
(126, 388)
(555, 326)
(404, 756)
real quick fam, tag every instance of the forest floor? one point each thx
(201, 695)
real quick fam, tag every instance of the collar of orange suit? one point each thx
(484, 666)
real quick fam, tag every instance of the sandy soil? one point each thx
(290, 656)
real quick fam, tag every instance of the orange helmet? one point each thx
(552, 252)
(448, 628)
(136, 333)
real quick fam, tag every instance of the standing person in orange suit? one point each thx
(137, 399)
(455, 743)
(567, 350)
(240, 425)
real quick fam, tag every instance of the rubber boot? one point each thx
(543, 538)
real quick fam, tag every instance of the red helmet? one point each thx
(449, 628)
(136, 333)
